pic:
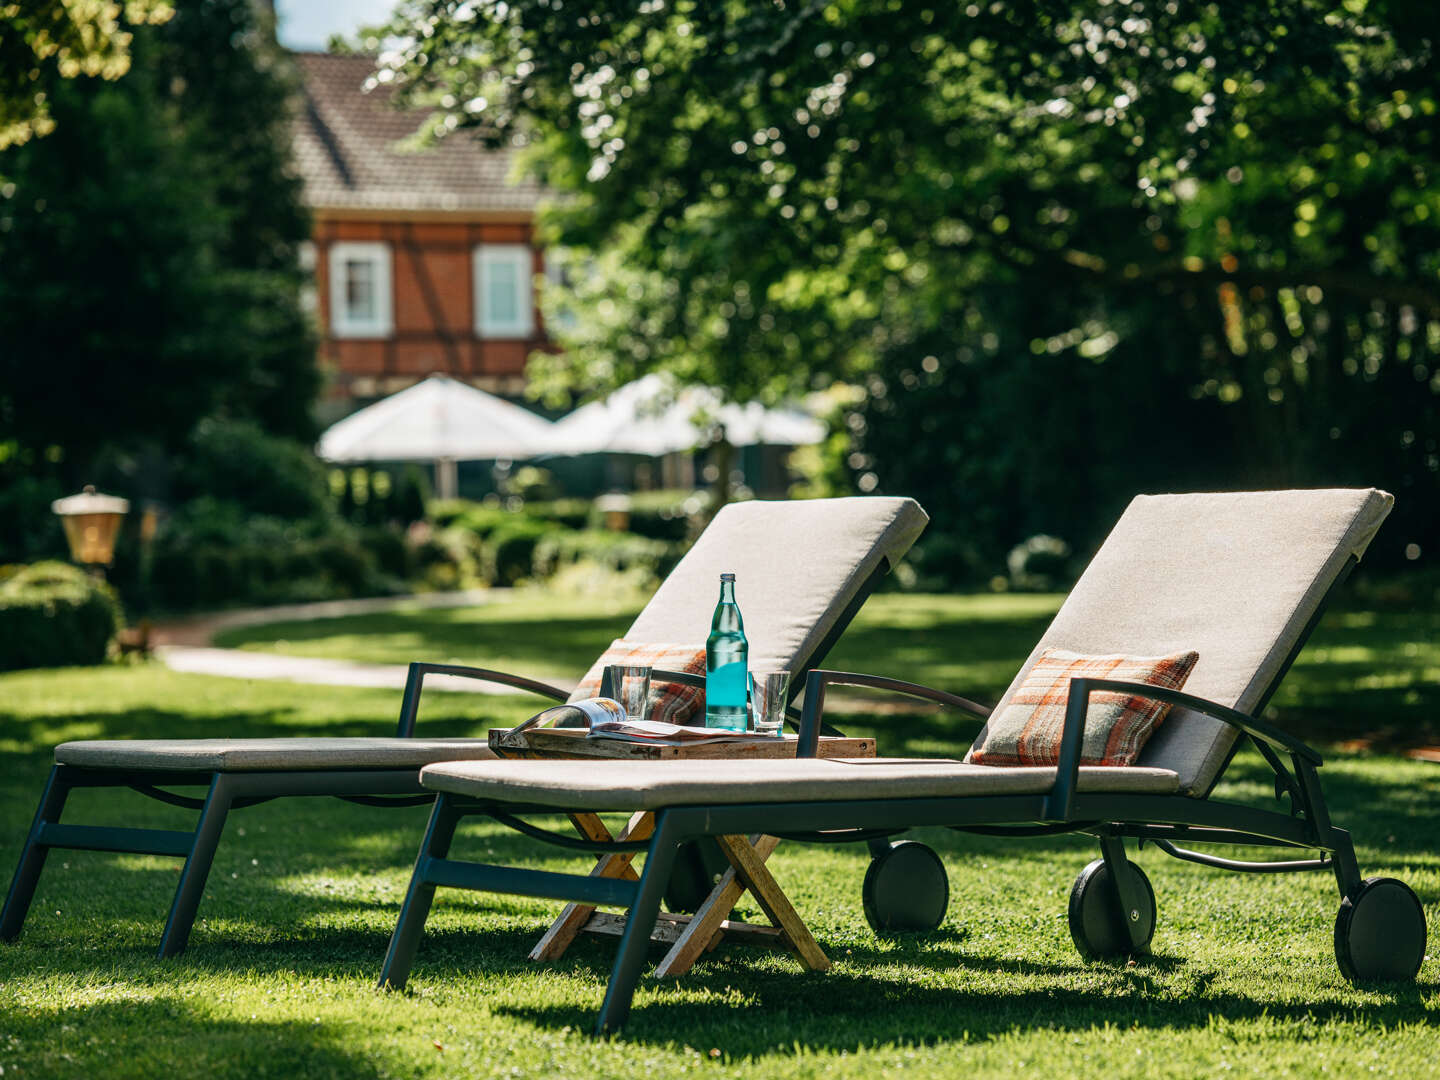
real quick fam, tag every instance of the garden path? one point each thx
(184, 645)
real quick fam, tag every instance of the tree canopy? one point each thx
(1031, 230)
(148, 251)
(44, 42)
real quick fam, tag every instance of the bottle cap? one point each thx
(727, 577)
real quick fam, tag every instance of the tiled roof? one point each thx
(346, 152)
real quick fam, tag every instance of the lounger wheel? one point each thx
(1380, 932)
(698, 866)
(905, 889)
(1096, 913)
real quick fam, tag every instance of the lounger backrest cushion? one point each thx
(797, 566)
(1236, 577)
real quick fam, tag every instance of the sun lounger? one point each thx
(804, 570)
(1238, 578)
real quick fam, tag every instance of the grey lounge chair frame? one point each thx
(1167, 821)
(238, 790)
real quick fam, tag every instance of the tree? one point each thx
(148, 269)
(1032, 227)
(44, 42)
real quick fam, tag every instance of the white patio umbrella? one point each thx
(651, 417)
(439, 420)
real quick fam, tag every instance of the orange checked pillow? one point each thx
(670, 703)
(1027, 731)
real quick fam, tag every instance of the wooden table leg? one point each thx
(572, 920)
(705, 924)
(750, 869)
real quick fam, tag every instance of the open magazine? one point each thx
(605, 718)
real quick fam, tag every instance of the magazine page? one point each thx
(661, 734)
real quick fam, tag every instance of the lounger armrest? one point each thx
(1078, 703)
(685, 678)
(415, 682)
(820, 678)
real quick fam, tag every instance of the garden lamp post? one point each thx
(91, 522)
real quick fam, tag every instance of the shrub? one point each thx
(571, 513)
(611, 550)
(510, 549)
(1039, 564)
(387, 547)
(451, 558)
(530, 482)
(324, 568)
(237, 462)
(54, 615)
(667, 515)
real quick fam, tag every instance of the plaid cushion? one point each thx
(1027, 731)
(670, 703)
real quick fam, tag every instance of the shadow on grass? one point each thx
(154, 1037)
(825, 1012)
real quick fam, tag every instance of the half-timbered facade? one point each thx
(423, 260)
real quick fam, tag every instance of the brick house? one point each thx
(423, 261)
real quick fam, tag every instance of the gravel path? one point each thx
(184, 645)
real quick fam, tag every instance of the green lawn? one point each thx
(280, 972)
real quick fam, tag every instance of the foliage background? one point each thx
(148, 266)
(1070, 251)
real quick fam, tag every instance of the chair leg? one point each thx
(32, 856)
(197, 868)
(1112, 850)
(638, 927)
(406, 939)
(1347, 867)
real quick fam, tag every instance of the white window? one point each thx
(360, 290)
(504, 292)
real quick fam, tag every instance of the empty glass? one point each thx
(630, 685)
(767, 701)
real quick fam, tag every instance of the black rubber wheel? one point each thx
(698, 865)
(1380, 932)
(1095, 915)
(905, 889)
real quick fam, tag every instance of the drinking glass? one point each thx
(767, 701)
(630, 683)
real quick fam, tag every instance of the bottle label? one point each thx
(725, 696)
(725, 685)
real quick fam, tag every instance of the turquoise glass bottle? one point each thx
(726, 663)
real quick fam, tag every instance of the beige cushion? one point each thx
(650, 785)
(797, 565)
(252, 755)
(1235, 577)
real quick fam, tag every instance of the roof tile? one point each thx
(347, 153)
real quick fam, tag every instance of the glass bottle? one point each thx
(726, 663)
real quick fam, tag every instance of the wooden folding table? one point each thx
(687, 935)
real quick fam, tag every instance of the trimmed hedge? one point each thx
(216, 576)
(571, 513)
(510, 550)
(54, 615)
(666, 515)
(613, 550)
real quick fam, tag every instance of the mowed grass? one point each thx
(279, 977)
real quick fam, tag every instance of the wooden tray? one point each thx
(574, 743)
